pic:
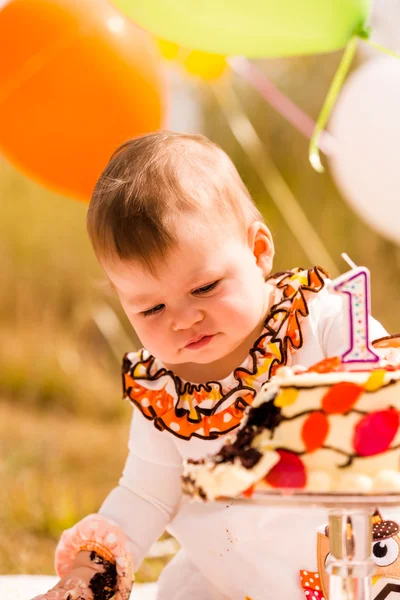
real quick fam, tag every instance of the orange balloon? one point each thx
(77, 78)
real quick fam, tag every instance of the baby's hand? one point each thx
(89, 572)
(73, 586)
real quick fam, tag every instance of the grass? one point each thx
(54, 471)
(62, 338)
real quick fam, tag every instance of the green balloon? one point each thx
(252, 28)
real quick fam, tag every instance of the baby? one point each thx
(190, 258)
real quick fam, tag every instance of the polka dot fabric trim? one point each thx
(311, 585)
(313, 595)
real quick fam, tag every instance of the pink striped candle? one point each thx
(355, 287)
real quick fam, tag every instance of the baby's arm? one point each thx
(132, 516)
(150, 489)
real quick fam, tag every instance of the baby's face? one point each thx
(202, 304)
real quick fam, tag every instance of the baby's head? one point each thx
(183, 244)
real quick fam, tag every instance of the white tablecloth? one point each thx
(26, 587)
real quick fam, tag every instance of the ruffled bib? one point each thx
(208, 410)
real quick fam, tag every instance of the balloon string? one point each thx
(281, 103)
(333, 92)
(271, 178)
(381, 48)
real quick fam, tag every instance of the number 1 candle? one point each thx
(355, 285)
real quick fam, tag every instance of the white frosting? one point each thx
(387, 480)
(291, 377)
(319, 481)
(229, 479)
(268, 392)
(262, 442)
(354, 482)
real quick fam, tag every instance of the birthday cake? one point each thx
(326, 429)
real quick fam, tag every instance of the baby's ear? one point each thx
(262, 245)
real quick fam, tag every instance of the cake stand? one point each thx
(350, 567)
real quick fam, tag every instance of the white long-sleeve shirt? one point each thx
(242, 550)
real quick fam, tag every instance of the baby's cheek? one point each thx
(146, 334)
(241, 307)
(234, 322)
(157, 341)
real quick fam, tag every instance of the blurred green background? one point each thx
(63, 425)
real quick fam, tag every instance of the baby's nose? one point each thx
(185, 319)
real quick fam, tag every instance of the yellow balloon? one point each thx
(204, 65)
(169, 50)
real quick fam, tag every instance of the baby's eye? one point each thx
(153, 311)
(206, 288)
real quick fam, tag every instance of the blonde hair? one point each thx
(153, 179)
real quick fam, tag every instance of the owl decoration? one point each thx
(385, 554)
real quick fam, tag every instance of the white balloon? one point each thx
(366, 128)
(385, 26)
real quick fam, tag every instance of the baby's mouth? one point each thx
(199, 342)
